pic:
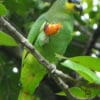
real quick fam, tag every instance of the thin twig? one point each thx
(92, 41)
(82, 28)
(50, 67)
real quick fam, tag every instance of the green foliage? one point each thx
(85, 72)
(3, 10)
(87, 61)
(21, 7)
(84, 93)
(61, 93)
(6, 40)
(25, 12)
(90, 5)
(8, 79)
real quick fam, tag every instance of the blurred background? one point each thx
(22, 14)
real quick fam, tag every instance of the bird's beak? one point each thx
(73, 5)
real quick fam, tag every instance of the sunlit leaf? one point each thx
(87, 61)
(6, 40)
(3, 10)
(85, 72)
(61, 93)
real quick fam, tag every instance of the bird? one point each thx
(50, 35)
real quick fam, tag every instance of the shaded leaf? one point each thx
(8, 79)
(84, 92)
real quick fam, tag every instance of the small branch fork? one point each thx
(55, 73)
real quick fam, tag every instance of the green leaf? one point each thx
(78, 93)
(84, 92)
(3, 10)
(87, 61)
(61, 93)
(85, 72)
(6, 40)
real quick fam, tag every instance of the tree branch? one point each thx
(55, 73)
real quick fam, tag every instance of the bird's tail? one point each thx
(32, 73)
(26, 96)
